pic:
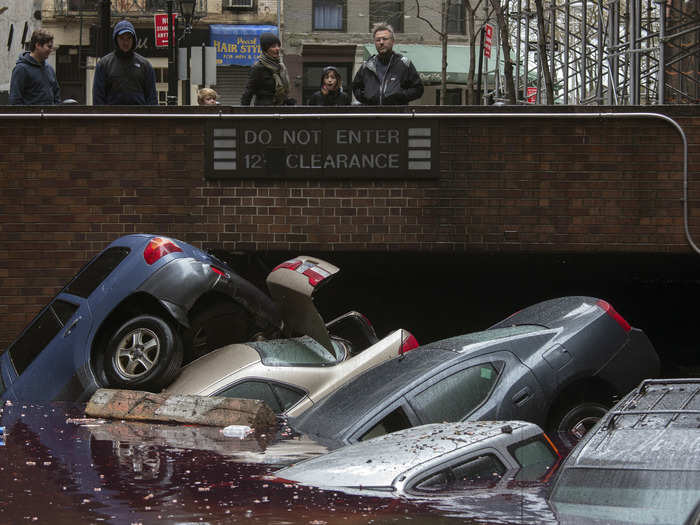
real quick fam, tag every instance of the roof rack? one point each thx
(685, 398)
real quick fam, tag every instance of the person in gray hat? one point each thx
(123, 77)
(268, 80)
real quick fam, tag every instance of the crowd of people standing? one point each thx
(123, 77)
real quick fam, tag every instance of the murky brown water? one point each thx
(58, 468)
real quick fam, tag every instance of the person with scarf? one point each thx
(331, 92)
(268, 80)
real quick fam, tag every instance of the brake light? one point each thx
(216, 270)
(409, 343)
(159, 247)
(613, 313)
(310, 269)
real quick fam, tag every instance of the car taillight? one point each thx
(216, 270)
(409, 343)
(311, 270)
(613, 313)
(159, 247)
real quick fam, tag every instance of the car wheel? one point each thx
(144, 354)
(578, 420)
(219, 325)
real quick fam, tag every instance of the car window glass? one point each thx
(485, 469)
(287, 397)
(254, 390)
(396, 420)
(457, 395)
(97, 271)
(293, 352)
(535, 458)
(34, 339)
(64, 310)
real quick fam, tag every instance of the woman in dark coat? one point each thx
(268, 80)
(331, 92)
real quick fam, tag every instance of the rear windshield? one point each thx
(627, 495)
(293, 352)
(97, 271)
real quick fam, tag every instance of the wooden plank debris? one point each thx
(179, 408)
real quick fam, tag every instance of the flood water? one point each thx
(59, 467)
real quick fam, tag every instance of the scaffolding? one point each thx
(608, 52)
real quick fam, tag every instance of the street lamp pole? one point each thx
(187, 12)
(172, 74)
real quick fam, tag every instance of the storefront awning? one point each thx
(428, 61)
(237, 45)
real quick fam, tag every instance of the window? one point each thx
(396, 420)
(535, 456)
(329, 15)
(482, 470)
(455, 18)
(386, 11)
(97, 271)
(456, 396)
(39, 334)
(279, 398)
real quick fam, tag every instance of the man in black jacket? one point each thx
(386, 78)
(123, 77)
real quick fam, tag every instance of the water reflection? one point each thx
(60, 468)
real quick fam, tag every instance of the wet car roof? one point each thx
(394, 453)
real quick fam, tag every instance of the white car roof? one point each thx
(378, 461)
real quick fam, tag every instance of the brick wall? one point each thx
(531, 184)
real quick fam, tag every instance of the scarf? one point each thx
(279, 73)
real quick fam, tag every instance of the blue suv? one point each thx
(130, 318)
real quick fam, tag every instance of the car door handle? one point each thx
(522, 396)
(68, 330)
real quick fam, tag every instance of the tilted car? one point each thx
(639, 464)
(292, 374)
(129, 318)
(432, 459)
(558, 364)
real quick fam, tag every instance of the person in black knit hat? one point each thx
(268, 80)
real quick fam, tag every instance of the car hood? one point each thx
(292, 285)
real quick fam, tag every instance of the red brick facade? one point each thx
(534, 183)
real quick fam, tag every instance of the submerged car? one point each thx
(558, 363)
(129, 318)
(640, 464)
(292, 374)
(432, 459)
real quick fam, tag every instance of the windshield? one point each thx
(300, 351)
(626, 495)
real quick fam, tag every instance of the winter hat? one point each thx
(267, 40)
(337, 74)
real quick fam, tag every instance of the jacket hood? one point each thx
(27, 58)
(123, 26)
(337, 74)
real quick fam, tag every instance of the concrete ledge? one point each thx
(146, 406)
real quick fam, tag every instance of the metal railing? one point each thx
(121, 7)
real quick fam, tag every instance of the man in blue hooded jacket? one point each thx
(33, 81)
(123, 77)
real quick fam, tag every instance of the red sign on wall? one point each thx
(161, 26)
(488, 34)
(532, 94)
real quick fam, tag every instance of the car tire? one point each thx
(217, 326)
(144, 354)
(577, 420)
